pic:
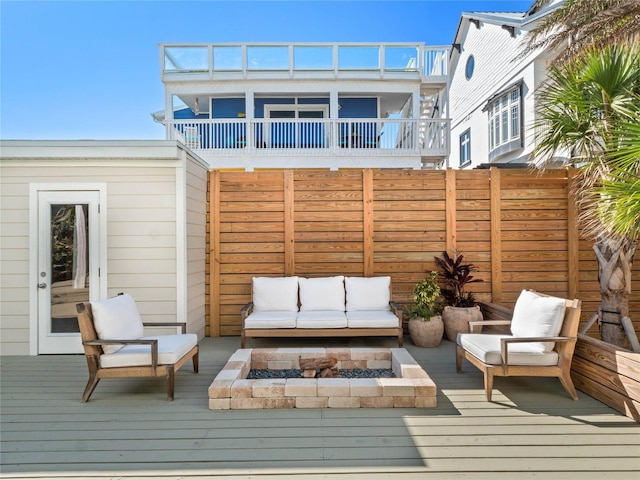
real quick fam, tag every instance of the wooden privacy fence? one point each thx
(517, 226)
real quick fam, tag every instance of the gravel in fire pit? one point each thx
(347, 373)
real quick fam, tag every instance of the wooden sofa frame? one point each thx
(321, 332)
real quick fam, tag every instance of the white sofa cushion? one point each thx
(271, 320)
(487, 348)
(367, 293)
(372, 319)
(536, 316)
(171, 348)
(324, 293)
(321, 319)
(275, 294)
(116, 318)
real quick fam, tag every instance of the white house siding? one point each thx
(142, 217)
(196, 219)
(14, 264)
(496, 67)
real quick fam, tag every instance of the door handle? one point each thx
(42, 285)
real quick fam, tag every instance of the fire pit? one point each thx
(411, 386)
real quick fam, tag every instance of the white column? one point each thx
(334, 107)
(415, 107)
(249, 108)
(249, 111)
(416, 113)
(168, 113)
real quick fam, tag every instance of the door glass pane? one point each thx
(310, 114)
(283, 114)
(69, 264)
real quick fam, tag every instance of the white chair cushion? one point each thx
(536, 316)
(368, 293)
(487, 349)
(321, 319)
(117, 318)
(171, 348)
(372, 319)
(275, 294)
(325, 293)
(271, 320)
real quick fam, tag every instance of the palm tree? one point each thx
(618, 197)
(588, 112)
(577, 25)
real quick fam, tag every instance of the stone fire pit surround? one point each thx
(411, 387)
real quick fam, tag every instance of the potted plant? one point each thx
(461, 307)
(425, 323)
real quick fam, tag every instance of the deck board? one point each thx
(129, 430)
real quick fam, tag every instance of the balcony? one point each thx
(318, 137)
(184, 62)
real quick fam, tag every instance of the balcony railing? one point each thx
(304, 60)
(423, 137)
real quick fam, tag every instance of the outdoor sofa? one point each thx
(336, 306)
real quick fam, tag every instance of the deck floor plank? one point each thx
(128, 429)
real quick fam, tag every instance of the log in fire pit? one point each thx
(325, 367)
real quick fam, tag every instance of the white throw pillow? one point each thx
(117, 318)
(536, 316)
(325, 293)
(279, 294)
(367, 293)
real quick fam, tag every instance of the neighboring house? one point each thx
(317, 105)
(492, 87)
(85, 220)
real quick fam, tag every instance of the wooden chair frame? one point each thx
(93, 350)
(564, 345)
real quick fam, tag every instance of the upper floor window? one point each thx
(505, 119)
(468, 69)
(465, 148)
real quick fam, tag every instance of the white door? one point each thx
(68, 265)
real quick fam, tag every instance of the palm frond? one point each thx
(579, 24)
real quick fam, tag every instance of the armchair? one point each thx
(542, 338)
(114, 345)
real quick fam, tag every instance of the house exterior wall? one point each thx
(196, 232)
(155, 224)
(497, 66)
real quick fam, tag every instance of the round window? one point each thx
(469, 68)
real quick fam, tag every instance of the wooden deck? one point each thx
(129, 430)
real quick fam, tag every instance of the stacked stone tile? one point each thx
(411, 388)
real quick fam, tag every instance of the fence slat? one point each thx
(519, 227)
(496, 237)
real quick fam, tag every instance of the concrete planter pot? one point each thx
(426, 333)
(456, 320)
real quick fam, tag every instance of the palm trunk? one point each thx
(614, 275)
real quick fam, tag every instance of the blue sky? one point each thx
(91, 69)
